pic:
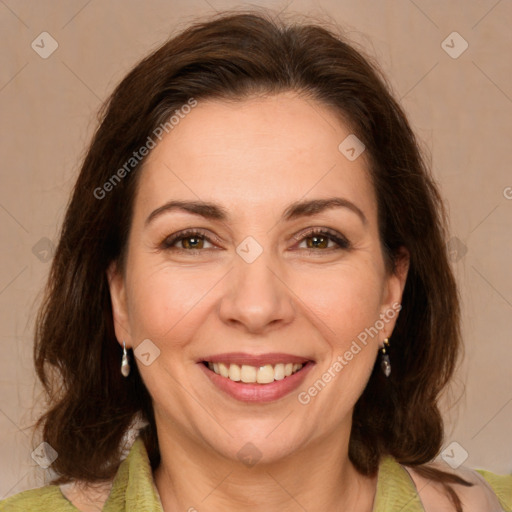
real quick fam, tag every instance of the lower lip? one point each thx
(258, 393)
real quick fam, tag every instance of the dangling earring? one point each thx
(125, 364)
(385, 364)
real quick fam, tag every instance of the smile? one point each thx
(253, 374)
(259, 382)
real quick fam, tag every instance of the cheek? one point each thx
(164, 302)
(348, 305)
(347, 300)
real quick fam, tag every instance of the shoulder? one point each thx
(87, 497)
(481, 496)
(501, 485)
(81, 496)
(71, 497)
(41, 499)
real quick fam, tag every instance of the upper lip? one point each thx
(241, 358)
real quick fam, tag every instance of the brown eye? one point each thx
(320, 239)
(192, 242)
(189, 240)
(316, 242)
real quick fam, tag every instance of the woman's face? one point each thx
(249, 279)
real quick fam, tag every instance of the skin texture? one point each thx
(478, 498)
(255, 157)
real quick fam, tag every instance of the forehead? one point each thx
(257, 153)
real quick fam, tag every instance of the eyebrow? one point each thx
(293, 211)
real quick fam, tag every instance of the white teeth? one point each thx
(279, 371)
(234, 372)
(252, 374)
(224, 370)
(265, 374)
(248, 373)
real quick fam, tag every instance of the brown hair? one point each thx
(231, 57)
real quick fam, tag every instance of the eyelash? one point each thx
(340, 240)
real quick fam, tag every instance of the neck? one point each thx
(318, 477)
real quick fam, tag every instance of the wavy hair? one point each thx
(233, 56)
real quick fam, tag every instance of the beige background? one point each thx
(460, 107)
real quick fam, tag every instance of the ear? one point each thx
(393, 291)
(120, 315)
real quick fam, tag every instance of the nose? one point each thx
(257, 298)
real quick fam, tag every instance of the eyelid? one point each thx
(168, 241)
(340, 240)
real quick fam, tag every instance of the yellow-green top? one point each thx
(133, 489)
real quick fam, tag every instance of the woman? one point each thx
(251, 305)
